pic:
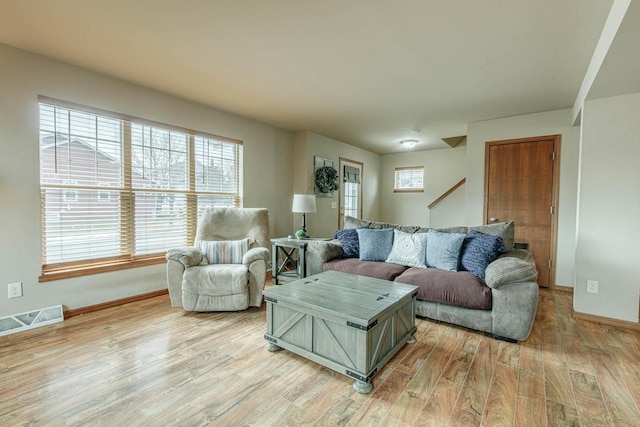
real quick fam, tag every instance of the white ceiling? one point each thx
(364, 72)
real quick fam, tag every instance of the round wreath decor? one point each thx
(327, 179)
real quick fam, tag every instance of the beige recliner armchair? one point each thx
(226, 268)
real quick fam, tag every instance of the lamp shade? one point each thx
(304, 203)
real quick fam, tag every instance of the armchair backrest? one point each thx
(234, 224)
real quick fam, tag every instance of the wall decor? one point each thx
(326, 177)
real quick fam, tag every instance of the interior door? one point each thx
(350, 189)
(521, 185)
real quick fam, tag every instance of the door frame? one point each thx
(341, 186)
(554, 192)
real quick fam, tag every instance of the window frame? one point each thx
(127, 257)
(418, 169)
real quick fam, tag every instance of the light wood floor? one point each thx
(145, 363)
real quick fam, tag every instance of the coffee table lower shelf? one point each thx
(356, 349)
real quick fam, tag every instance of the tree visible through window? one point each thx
(120, 190)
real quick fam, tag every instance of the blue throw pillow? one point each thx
(375, 245)
(479, 250)
(349, 242)
(443, 250)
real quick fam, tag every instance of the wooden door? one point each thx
(521, 180)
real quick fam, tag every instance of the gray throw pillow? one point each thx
(351, 222)
(375, 245)
(506, 230)
(443, 250)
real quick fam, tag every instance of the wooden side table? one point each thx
(284, 251)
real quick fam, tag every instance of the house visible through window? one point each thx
(409, 179)
(117, 191)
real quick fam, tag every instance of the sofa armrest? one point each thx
(255, 254)
(513, 267)
(513, 310)
(188, 256)
(319, 252)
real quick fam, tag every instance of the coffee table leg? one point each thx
(272, 347)
(362, 387)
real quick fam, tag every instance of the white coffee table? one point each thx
(351, 324)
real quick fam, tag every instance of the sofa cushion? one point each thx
(379, 270)
(443, 250)
(459, 288)
(384, 225)
(510, 269)
(349, 241)
(408, 249)
(375, 245)
(478, 251)
(351, 222)
(224, 251)
(506, 230)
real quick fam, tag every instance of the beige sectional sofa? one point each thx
(502, 303)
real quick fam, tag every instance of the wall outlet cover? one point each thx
(592, 286)
(14, 290)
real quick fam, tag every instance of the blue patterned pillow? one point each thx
(479, 250)
(443, 250)
(375, 245)
(349, 242)
(224, 251)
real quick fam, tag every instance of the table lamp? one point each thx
(304, 204)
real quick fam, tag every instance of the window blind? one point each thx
(114, 189)
(351, 174)
(409, 179)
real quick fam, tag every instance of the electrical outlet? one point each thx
(334, 205)
(592, 286)
(14, 290)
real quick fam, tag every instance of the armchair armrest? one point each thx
(319, 252)
(188, 256)
(255, 254)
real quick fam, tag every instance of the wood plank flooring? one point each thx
(145, 363)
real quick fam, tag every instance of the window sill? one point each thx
(417, 190)
(79, 270)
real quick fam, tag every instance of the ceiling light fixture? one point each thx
(409, 143)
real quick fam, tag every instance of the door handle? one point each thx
(493, 219)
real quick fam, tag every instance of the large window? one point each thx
(117, 192)
(409, 179)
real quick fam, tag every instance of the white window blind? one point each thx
(409, 179)
(115, 188)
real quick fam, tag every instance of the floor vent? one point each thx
(32, 319)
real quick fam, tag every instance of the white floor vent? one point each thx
(32, 319)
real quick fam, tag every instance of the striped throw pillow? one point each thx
(224, 251)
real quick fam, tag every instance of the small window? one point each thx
(104, 196)
(70, 196)
(409, 179)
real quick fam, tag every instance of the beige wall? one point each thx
(325, 221)
(548, 123)
(268, 155)
(442, 170)
(609, 208)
